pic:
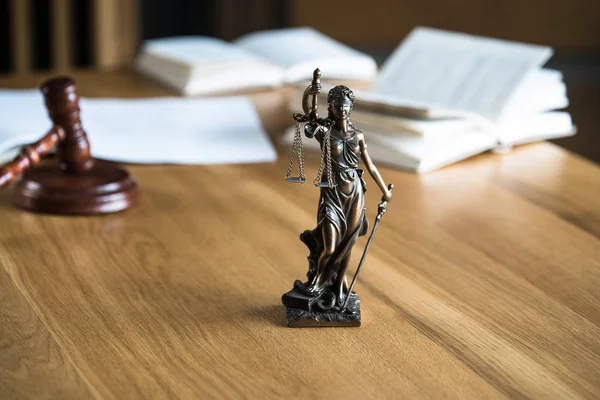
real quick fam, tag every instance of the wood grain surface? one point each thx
(482, 283)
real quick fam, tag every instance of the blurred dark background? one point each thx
(106, 34)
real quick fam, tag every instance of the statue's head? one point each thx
(341, 101)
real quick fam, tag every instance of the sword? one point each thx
(381, 209)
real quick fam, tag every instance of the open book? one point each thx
(200, 65)
(444, 96)
(541, 91)
(445, 73)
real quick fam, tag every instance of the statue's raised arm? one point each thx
(310, 96)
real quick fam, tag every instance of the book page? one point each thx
(539, 92)
(393, 125)
(309, 49)
(543, 126)
(197, 50)
(441, 69)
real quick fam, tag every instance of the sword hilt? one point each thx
(382, 208)
(316, 88)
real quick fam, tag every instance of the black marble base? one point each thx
(304, 310)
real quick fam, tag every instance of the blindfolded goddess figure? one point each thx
(341, 215)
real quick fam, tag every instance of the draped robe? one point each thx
(342, 205)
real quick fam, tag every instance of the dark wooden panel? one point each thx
(177, 18)
(582, 78)
(4, 36)
(236, 18)
(82, 32)
(569, 26)
(41, 35)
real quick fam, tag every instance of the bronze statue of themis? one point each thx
(326, 299)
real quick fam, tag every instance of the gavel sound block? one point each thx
(78, 184)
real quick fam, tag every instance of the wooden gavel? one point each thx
(79, 184)
(30, 156)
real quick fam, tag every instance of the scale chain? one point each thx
(300, 152)
(288, 173)
(325, 163)
(321, 165)
(297, 150)
(328, 160)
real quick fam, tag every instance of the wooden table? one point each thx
(483, 282)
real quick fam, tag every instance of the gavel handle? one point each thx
(30, 156)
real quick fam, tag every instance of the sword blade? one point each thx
(362, 260)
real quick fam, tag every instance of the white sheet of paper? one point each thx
(441, 69)
(23, 118)
(218, 130)
(172, 130)
(9, 155)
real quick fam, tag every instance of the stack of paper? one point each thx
(158, 130)
(198, 65)
(444, 96)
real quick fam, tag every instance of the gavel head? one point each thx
(62, 103)
(60, 95)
